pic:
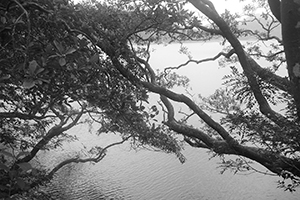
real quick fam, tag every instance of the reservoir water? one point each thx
(126, 174)
(129, 174)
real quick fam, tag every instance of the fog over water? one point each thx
(146, 175)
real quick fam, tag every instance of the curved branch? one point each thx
(194, 107)
(226, 55)
(53, 132)
(95, 159)
(235, 43)
(148, 67)
(220, 146)
(272, 161)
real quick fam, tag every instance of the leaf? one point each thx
(59, 47)
(39, 81)
(28, 83)
(39, 70)
(154, 108)
(70, 51)
(49, 48)
(34, 172)
(12, 174)
(62, 61)
(4, 167)
(94, 58)
(44, 80)
(25, 166)
(20, 22)
(22, 184)
(73, 77)
(32, 67)
(3, 20)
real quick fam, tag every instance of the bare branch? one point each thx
(268, 37)
(148, 67)
(95, 159)
(226, 55)
(187, 116)
(74, 122)
(267, 56)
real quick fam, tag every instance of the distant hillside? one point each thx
(252, 26)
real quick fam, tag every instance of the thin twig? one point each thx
(226, 55)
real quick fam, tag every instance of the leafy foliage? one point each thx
(54, 75)
(64, 64)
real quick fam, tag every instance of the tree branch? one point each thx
(269, 77)
(237, 46)
(226, 55)
(274, 162)
(268, 159)
(53, 132)
(95, 159)
(209, 30)
(22, 115)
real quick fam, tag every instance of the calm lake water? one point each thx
(146, 175)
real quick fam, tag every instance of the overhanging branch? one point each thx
(94, 159)
(53, 132)
(226, 55)
(237, 46)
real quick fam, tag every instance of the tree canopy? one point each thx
(55, 77)
(63, 64)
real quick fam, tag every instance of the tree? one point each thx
(258, 132)
(61, 63)
(52, 78)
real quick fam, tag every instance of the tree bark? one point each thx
(290, 20)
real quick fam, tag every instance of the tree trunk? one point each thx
(290, 19)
